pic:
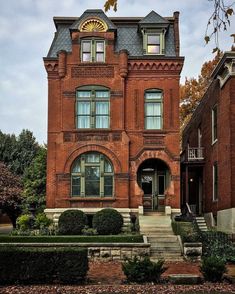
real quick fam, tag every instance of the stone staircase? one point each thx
(201, 223)
(156, 226)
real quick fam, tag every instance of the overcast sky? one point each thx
(26, 32)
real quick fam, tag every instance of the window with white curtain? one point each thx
(93, 108)
(153, 109)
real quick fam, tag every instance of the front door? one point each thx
(148, 185)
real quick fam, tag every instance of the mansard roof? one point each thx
(128, 34)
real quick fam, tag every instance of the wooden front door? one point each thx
(148, 185)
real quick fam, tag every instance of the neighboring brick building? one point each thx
(208, 158)
(113, 113)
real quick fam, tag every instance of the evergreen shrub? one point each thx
(141, 270)
(107, 221)
(72, 222)
(213, 268)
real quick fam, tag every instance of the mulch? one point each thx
(107, 278)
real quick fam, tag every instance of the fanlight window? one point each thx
(92, 176)
(93, 25)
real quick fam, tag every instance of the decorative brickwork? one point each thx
(92, 72)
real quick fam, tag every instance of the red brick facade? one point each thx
(221, 152)
(127, 144)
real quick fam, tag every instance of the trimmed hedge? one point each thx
(107, 221)
(72, 222)
(42, 265)
(73, 239)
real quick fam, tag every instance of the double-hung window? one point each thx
(153, 44)
(92, 176)
(92, 50)
(214, 123)
(92, 108)
(153, 109)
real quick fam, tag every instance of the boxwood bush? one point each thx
(107, 221)
(72, 222)
(42, 265)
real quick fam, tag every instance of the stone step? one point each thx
(164, 252)
(170, 239)
(165, 245)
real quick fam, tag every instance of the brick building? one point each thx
(208, 158)
(113, 113)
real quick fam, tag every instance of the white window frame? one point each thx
(153, 101)
(214, 140)
(93, 53)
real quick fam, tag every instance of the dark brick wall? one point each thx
(222, 151)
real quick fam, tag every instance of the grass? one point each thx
(72, 239)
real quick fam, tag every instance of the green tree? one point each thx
(10, 193)
(34, 182)
(18, 152)
(7, 147)
(193, 89)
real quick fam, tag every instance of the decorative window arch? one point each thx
(93, 107)
(153, 109)
(93, 25)
(92, 176)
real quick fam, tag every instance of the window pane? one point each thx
(92, 181)
(102, 107)
(84, 108)
(92, 157)
(161, 185)
(86, 57)
(76, 181)
(153, 95)
(86, 46)
(76, 167)
(76, 186)
(99, 46)
(107, 167)
(100, 57)
(84, 94)
(153, 39)
(153, 109)
(153, 123)
(108, 186)
(154, 49)
(102, 122)
(102, 94)
(84, 122)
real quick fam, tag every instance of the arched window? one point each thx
(153, 109)
(92, 176)
(92, 107)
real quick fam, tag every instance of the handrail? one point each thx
(195, 153)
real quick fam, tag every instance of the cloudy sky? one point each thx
(26, 32)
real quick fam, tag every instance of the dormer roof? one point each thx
(93, 13)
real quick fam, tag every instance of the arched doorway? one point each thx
(153, 178)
